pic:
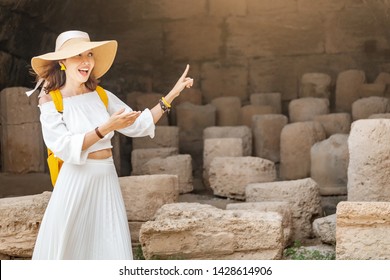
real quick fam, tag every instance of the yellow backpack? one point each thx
(55, 163)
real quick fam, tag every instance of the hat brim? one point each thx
(103, 52)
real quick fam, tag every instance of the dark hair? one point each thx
(55, 78)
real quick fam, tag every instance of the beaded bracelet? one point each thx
(163, 106)
(166, 102)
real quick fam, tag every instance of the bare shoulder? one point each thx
(44, 99)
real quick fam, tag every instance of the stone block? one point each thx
(347, 89)
(380, 116)
(141, 156)
(329, 164)
(192, 120)
(229, 176)
(228, 110)
(282, 208)
(365, 107)
(145, 39)
(264, 7)
(195, 231)
(172, 9)
(305, 109)
(144, 195)
(220, 80)
(296, 140)
(219, 147)
(335, 123)
(384, 79)
(180, 165)
(375, 89)
(325, 229)
(20, 218)
(249, 111)
(165, 137)
(242, 132)
(266, 135)
(273, 99)
(183, 45)
(303, 198)
(341, 27)
(362, 231)
(316, 85)
(291, 34)
(225, 8)
(191, 95)
(22, 144)
(368, 169)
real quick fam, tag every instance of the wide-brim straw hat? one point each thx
(72, 43)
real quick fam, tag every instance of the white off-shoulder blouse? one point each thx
(64, 133)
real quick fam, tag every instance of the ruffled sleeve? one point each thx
(64, 144)
(143, 126)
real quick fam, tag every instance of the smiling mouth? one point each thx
(84, 71)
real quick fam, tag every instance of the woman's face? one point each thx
(79, 67)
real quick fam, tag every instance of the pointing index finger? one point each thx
(185, 71)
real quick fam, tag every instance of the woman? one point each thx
(86, 217)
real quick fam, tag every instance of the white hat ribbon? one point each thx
(42, 92)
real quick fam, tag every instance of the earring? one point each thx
(63, 68)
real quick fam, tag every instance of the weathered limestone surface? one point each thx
(135, 228)
(165, 137)
(192, 120)
(380, 116)
(228, 110)
(368, 90)
(325, 229)
(296, 140)
(266, 135)
(219, 147)
(384, 79)
(362, 231)
(243, 132)
(21, 137)
(369, 163)
(248, 111)
(180, 165)
(229, 176)
(141, 156)
(223, 80)
(283, 208)
(335, 123)
(196, 231)
(329, 164)
(191, 95)
(144, 195)
(305, 109)
(273, 99)
(315, 85)
(302, 195)
(365, 107)
(20, 218)
(347, 89)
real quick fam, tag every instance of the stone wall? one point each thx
(235, 47)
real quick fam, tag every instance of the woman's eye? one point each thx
(90, 54)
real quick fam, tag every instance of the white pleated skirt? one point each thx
(86, 217)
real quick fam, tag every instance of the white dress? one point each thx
(85, 217)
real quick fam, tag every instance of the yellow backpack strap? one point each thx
(57, 99)
(103, 95)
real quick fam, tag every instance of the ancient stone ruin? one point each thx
(282, 141)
